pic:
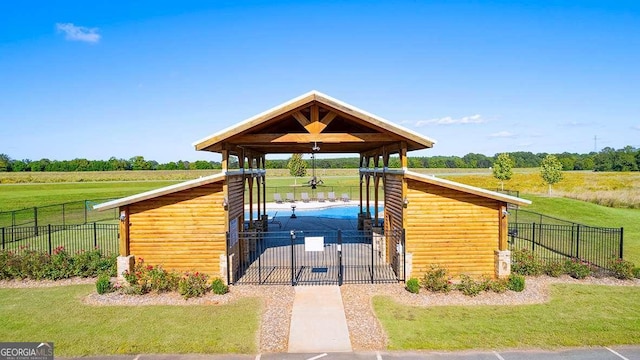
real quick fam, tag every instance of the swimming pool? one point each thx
(335, 212)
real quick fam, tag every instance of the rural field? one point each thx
(579, 197)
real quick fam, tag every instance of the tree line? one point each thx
(608, 159)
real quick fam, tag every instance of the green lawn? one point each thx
(594, 215)
(577, 315)
(58, 315)
(19, 196)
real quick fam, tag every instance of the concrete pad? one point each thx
(318, 322)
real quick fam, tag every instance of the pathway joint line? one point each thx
(378, 356)
(616, 353)
(137, 357)
(258, 356)
(317, 357)
(498, 355)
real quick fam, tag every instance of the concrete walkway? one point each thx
(318, 322)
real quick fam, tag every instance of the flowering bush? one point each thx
(38, 265)
(436, 279)
(577, 269)
(471, 287)
(554, 268)
(524, 262)
(622, 269)
(193, 285)
(146, 278)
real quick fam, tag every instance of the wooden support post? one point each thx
(225, 160)
(403, 156)
(504, 228)
(124, 231)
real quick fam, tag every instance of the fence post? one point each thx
(578, 242)
(49, 237)
(340, 275)
(35, 220)
(85, 211)
(621, 241)
(370, 235)
(95, 236)
(533, 237)
(2, 238)
(228, 264)
(292, 236)
(404, 254)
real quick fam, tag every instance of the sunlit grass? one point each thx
(577, 315)
(58, 315)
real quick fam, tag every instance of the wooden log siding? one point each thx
(182, 231)
(393, 201)
(451, 229)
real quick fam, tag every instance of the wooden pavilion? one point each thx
(183, 226)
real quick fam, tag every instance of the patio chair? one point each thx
(320, 196)
(345, 197)
(290, 197)
(277, 198)
(331, 196)
(305, 197)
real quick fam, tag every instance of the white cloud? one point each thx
(525, 144)
(502, 134)
(576, 123)
(78, 33)
(448, 120)
(637, 127)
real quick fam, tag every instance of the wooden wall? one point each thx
(393, 206)
(182, 231)
(452, 229)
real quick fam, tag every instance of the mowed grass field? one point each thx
(59, 315)
(66, 188)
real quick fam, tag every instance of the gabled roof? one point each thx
(314, 117)
(430, 179)
(159, 192)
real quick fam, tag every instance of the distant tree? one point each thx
(5, 162)
(139, 163)
(297, 167)
(502, 168)
(551, 170)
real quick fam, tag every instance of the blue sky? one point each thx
(124, 78)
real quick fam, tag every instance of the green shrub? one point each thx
(554, 268)
(219, 287)
(497, 286)
(103, 284)
(193, 285)
(413, 286)
(622, 269)
(636, 273)
(516, 282)
(524, 262)
(436, 279)
(577, 269)
(470, 287)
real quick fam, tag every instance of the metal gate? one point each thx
(316, 257)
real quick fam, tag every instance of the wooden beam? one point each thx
(327, 119)
(315, 113)
(256, 139)
(301, 118)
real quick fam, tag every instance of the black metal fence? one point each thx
(556, 239)
(70, 213)
(73, 238)
(316, 257)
